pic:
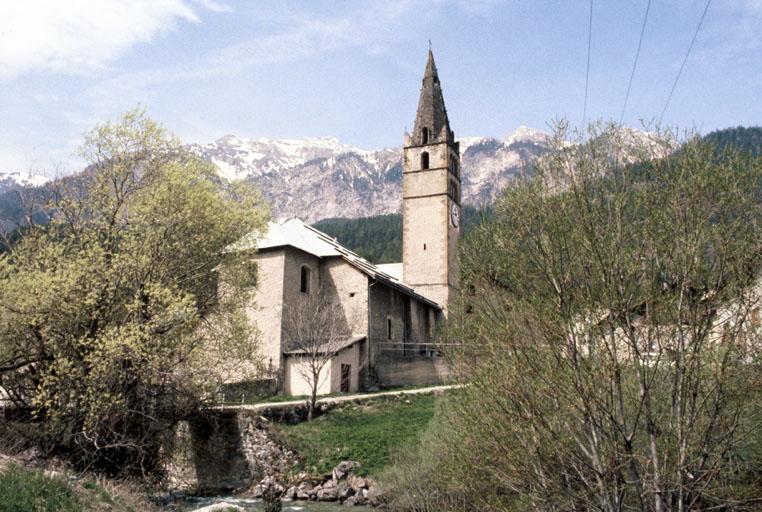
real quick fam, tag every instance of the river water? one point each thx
(191, 504)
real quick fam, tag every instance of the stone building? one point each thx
(390, 312)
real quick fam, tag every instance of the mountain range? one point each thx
(15, 180)
(317, 178)
(320, 178)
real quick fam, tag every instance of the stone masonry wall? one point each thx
(266, 309)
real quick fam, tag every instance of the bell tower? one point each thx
(431, 197)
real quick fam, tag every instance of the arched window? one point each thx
(305, 279)
(424, 135)
(424, 160)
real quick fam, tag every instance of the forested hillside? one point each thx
(746, 139)
(379, 238)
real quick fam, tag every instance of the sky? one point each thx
(351, 69)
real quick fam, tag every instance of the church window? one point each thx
(424, 160)
(424, 247)
(305, 279)
(388, 328)
(424, 135)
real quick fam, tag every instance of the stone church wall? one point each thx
(266, 309)
(346, 285)
(399, 361)
(292, 268)
(425, 244)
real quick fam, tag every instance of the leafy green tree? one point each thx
(609, 336)
(112, 323)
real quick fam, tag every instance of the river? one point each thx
(191, 504)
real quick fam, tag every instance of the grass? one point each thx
(368, 433)
(23, 490)
(30, 490)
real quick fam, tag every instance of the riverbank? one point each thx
(247, 453)
(30, 486)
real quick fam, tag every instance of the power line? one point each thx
(587, 71)
(677, 78)
(635, 64)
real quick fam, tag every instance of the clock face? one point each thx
(454, 215)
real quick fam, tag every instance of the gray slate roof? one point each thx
(431, 113)
(334, 348)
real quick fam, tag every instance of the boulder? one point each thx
(374, 495)
(359, 498)
(220, 507)
(344, 490)
(330, 494)
(343, 469)
(357, 482)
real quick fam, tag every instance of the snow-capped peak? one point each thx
(526, 134)
(467, 142)
(240, 158)
(24, 179)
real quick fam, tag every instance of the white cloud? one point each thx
(215, 6)
(77, 35)
(302, 37)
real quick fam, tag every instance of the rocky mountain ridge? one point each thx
(316, 178)
(319, 178)
(15, 180)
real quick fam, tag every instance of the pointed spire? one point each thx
(431, 123)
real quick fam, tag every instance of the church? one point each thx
(390, 312)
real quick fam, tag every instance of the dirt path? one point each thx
(338, 399)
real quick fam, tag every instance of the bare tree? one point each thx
(611, 342)
(317, 328)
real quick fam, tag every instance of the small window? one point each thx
(424, 160)
(351, 294)
(388, 328)
(305, 281)
(424, 247)
(424, 135)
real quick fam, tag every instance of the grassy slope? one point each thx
(367, 433)
(25, 490)
(30, 490)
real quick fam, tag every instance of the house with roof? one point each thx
(390, 312)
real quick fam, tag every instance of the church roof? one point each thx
(431, 113)
(332, 347)
(292, 232)
(393, 269)
(295, 233)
